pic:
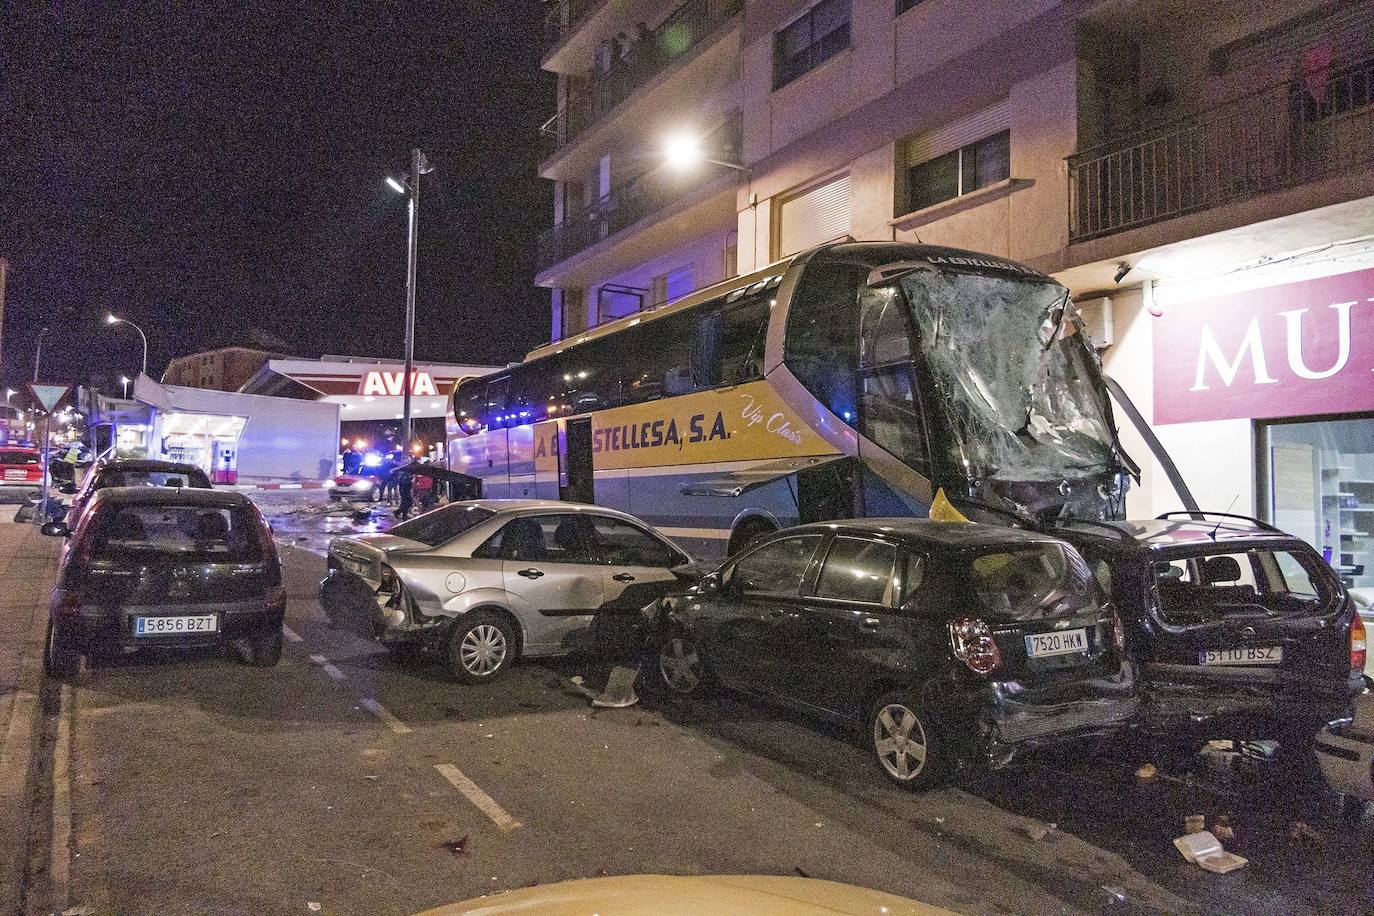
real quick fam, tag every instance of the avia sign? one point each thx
(388, 384)
(1282, 351)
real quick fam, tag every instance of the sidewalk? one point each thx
(28, 561)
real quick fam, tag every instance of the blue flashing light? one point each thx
(372, 459)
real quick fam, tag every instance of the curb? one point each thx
(303, 485)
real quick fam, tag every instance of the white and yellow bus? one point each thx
(856, 379)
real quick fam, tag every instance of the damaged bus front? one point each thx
(969, 373)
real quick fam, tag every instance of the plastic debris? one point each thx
(1223, 832)
(1036, 830)
(1194, 822)
(1148, 771)
(1115, 894)
(620, 689)
(1301, 831)
(313, 905)
(1206, 852)
(458, 847)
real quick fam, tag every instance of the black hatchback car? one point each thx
(951, 644)
(1241, 631)
(148, 566)
(135, 472)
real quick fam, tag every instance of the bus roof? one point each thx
(940, 255)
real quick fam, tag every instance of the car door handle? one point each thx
(623, 577)
(530, 573)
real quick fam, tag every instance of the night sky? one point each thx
(216, 175)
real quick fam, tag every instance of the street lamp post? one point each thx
(112, 318)
(38, 352)
(411, 188)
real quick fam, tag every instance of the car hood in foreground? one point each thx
(667, 895)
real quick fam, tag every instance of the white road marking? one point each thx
(329, 669)
(484, 802)
(290, 634)
(386, 715)
(60, 855)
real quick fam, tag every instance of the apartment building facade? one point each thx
(1199, 174)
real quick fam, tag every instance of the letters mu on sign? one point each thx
(1283, 351)
(388, 384)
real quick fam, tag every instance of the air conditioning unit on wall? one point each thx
(1097, 320)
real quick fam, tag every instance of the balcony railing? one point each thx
(1288, 134)
(628, 68)
(631, 202)
(562, 19)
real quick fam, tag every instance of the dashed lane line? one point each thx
(484, 802)
(328, 667)
(386, 715)
(291, 635)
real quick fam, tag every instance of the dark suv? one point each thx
(1242, 631)
(949, 643)
(154, 566)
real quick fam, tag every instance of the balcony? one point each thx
(624, 206)
(1288, 134)
(562, 19)
(677, 36)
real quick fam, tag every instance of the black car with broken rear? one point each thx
(159, 567)
(949, 644)
(1242, 631)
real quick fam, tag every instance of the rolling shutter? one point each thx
(815, 216)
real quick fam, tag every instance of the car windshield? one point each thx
(1030, 582)
(132, 478)
(442, 525)
(11, 457)
(1236, 582)
(215, 534)
(1018, 381)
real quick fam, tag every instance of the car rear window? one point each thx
(217, 535)
(151, 479)
(442, 525)
(1242, 582)
(13, 457)
(1031, 582)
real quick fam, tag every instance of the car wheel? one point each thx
(905, 744)
(481, 648)
(747, 533)
(674, 669)
(262, 650)
(62, 656)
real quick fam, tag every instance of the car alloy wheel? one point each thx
(900, 741)
(482, 650)
(679, 665)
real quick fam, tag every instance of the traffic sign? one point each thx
(48, 396)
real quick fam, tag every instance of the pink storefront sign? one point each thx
(1283, 351)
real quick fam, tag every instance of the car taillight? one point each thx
(1118, 632)
(973, 645)
(65, 603)
(1358, 645)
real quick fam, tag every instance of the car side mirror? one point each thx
(56, 529)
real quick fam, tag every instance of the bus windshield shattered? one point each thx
(1018, 386)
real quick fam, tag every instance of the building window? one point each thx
(820, 34)
(960, 171)
(1317, 481)
(904, 5)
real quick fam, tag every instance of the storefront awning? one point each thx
(737, 483)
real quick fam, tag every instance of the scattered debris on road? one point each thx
(1148, 771)
(1205, 851)
(458, 847)
(620, 689)
(1036, 830)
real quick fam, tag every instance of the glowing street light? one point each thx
(112, 318)
(682, 151)
(124, 380)
(395, 185)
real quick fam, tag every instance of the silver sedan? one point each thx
(487, 581)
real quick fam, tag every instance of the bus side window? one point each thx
(494, 406)
(821, 345)
(729, 343)
(655, 358)
(468, 403)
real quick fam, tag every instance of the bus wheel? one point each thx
(748, 532)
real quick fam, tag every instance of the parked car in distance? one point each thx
(160, 567)
(950, 644)
(487, 581)
(135, 473)
(1242, 631)
(21, 468)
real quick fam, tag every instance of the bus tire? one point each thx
(749, 531)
